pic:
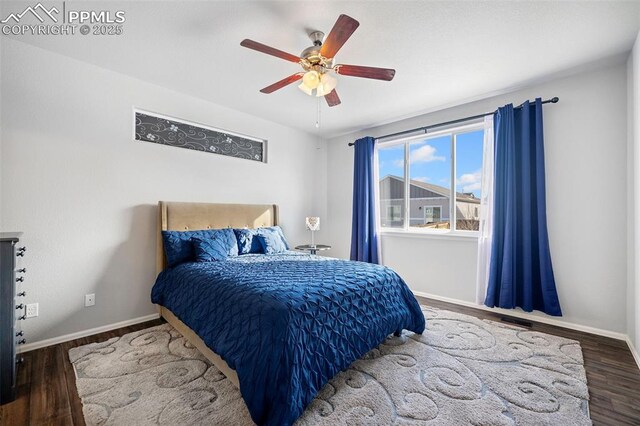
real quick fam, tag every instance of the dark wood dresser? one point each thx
(11, 311)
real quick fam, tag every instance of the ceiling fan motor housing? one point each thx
(311, 58)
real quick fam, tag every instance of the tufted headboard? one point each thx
(175, 216)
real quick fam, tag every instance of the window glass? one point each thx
(430, 183)
(468, 180)
(391, 173)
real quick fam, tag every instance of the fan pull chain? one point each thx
(318, 115)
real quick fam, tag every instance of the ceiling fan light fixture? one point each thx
(329, 82)
(305, 89)
(326, 85)
(311, 79)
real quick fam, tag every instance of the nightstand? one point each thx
(313, 249)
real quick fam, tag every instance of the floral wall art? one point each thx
(163, 130)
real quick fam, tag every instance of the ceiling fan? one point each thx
(317, 62)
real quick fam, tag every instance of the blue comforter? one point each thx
(288, 323)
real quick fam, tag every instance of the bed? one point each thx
(278, 326)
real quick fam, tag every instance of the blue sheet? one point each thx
(288, 323)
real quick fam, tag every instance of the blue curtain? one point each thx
(364, 238)
(520, 271)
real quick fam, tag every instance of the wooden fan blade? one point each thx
(332, 98)
(269, 50)
(365, 72)
(284, 82)
(339, 34)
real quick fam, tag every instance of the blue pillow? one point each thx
(178, 247)
(247, 243)
(210, 249)
(280, 232)
(271, 241)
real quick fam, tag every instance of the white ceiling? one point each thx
(443, 52)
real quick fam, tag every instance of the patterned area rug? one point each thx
(461, 371)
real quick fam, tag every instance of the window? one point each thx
(391, 160)
(442, 193)
(430, 181)
(394, 213)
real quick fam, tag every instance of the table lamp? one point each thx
(313, 224)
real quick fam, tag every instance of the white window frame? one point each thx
(408, 230)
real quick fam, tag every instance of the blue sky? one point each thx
(430, 161)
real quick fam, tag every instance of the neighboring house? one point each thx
(428, 203)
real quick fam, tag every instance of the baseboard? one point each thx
(527, 316)
(84, 333)
(572, 326)
(633, 350)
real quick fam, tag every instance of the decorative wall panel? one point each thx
(150, 127)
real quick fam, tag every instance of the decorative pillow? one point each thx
(211, 249)
(247, 243)
(178, 247)
(271, 241)
(280, 232)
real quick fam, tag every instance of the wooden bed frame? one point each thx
(175, 216)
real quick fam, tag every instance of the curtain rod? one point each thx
(459, 120)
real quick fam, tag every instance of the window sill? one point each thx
(459, 236)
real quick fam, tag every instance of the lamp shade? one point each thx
(326, 85)
(311, 79)
(313, 223)
(329, 82)
(305, 89)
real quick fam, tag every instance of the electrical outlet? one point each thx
(89, 299)
(32, 310)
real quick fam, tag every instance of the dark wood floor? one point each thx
(47, 391)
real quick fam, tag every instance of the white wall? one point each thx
(85, 193)
(633, 290)
(586, 146)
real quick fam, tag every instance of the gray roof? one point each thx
(441, 190)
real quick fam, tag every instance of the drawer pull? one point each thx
(22, 270)
(22, 294)
(20, 306)
(20, 254)
(20, 279)
(22, 317)
(22, 341)
(20, 333)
